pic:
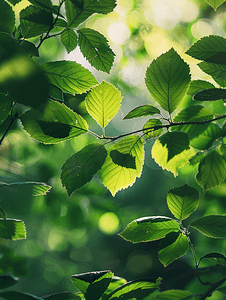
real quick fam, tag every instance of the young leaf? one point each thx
(81, 167)
(7, 281)
(138, 289)
(116, 177)
(54, 112)
(182, 201)
(212, 226)
(47, 4)
(69, 39)
(92, 284)
(38, 188)
(62, 296)
(11, 229)
(174, 295)
(123, 160)
(5, 107)
(95, 48)
(199, 85)
(212, 170)
(103, 103)
(215, 257)
(210, 95)
(173, 247)
(215, 3)
(142, 111)
(13, 295)
(149, 229)
(154, 132)
(76, 14)
(69, 76)
(167, 79)
(7, 17)
(217, 71)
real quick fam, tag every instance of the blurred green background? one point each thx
(66, 236)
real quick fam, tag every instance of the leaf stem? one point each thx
(13, 118)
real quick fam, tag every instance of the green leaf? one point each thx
(54, 112)
(69, 76)
(95, 48)
(222, 290)
(142, 111)
(217, 71)
(2, 213)
(155, 131)
(212, 226)
(138, 289)
(215, 3)
(197, 158)
(215, 257)
(116, 177)
(34, 21)
(210, 95)
(7, 281)
(5, 107)
(69, 39)
(55, 129)
(11, 229)
(173, 247)
(76, 14)
(38, 188)
(7, 17)
(11, 295)
(14, 2)
(55, 93)
(167, 79)
(92, 284)
(29, 48)
(149, 229)
(212, 170)
(199, 85)
(62, 296)
(174, 295)
(114, 284)
(210, 48)
(47, 4)
(103, 103)
(182, 201)
(123, 160)
(82, 166)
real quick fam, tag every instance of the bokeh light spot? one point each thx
(139, 262)
(201, 28)
(118, 33)
(108, 223)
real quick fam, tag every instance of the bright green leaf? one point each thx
(82, 166)
(212, 170)
(174, 295)
(11, 295)
(154, 130)
(7, 17)
(182, 201)
(142, 111)
(199, 85)
(69, 76)
(11, 229)
(5, 107)
(212, 226)
(114, 284)
(217, 71)
(167, 79)
(38, 188)
(7, 281)
(95, 48)
(173, 249)
(215, 3)
(197, 158)
(215, 257)
(103, 103)
(62, 296)
(149, 229)
(116, 177)
(69, 39)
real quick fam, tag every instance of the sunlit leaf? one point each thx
(69, 39)
(62, 296)
(5, 107)
(103, 103)
(167, 79)
(197, 158)
(199, 85)
(38, 188)
(7, 17)
(173, 246)
(217, 71)
(182, 201)
(54, 112)
(122, 159)
(76, 14)
(11, 229)
(29, 48)
(116, 177)
(142, 111)
(69, 76)
(81, 167)
(215, 3)
(12, 295)
(149, 229)
(95, 48)
(114, 284)
(212, 226)
(215, 257)
(7, 281)
(174, 295)
(212, 170)
(153, 131)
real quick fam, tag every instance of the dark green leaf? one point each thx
(95, 48)
(210, 95)
(212, 226)
(14, 2)
(217, 71)
(123, 160)
(215, 257)
(82, 166)
(7, 17)
(47, 4)
(167, 79)
(38, 188)
(11, 295)
(149, 229)
(69, 39)
(7, 281)
(5, 107)
(29, 48)
(55, 93)
(174, 295)
(197, 158)
(55, 129)
(11, 229)
(69, 76)
(62, 296)
(2, 213)
(212, 170)
(199, 85)
(151, 128)
(215, 3)
(142, 111)
(222, 290)
(182, 201)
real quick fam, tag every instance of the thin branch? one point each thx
(13, 118)
(213, 287)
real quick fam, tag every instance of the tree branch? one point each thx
(213, 287)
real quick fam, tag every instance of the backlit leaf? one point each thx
(123, 160)
(103, 103)
(142, 111)
(114, 284)
(11, 229)
(55, 129)
(217, 71)
(167, 79)
(174, 295)
(149, 229)
(155, 131)
(69, 39)
(215, 257)
(210, 95)
(212, 170)
(212, 226)
(69, 76)
(7, 17)
(197, 158)
(7, 281)
(116, 177)
(81, 167)
(215, 3)
(199, 85)
(182, 201)
(38, 188)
